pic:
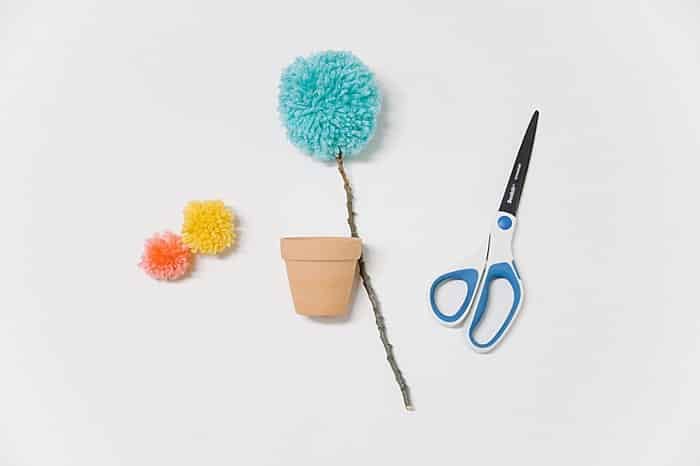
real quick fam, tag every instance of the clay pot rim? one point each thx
(321, 237)
(327, 248)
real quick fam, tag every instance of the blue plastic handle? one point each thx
(502, 270)
(468, 276)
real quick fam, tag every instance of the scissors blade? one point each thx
(514, 188)
(488, 251)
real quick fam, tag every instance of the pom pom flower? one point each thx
(329, 104)
(166, 257)
(208, 227)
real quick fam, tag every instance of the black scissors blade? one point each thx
(514, 188)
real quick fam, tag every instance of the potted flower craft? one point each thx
(329, 103)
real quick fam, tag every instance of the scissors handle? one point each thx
(470, 277)
(500, 266)
(508, 272)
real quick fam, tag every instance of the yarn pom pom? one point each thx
(166, 257)
(208, 227)
(329, 103)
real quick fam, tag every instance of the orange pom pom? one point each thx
(166, 257)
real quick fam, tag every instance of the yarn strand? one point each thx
(371, 294)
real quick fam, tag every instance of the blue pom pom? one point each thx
(329, 103)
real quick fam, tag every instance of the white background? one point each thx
(114, 114)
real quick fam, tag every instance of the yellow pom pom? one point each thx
(208, 227)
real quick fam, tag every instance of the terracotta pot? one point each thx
(321, 273)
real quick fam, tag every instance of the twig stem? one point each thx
(372, 295)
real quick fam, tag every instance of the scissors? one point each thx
(497, 261)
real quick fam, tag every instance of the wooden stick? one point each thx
(372, 295)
